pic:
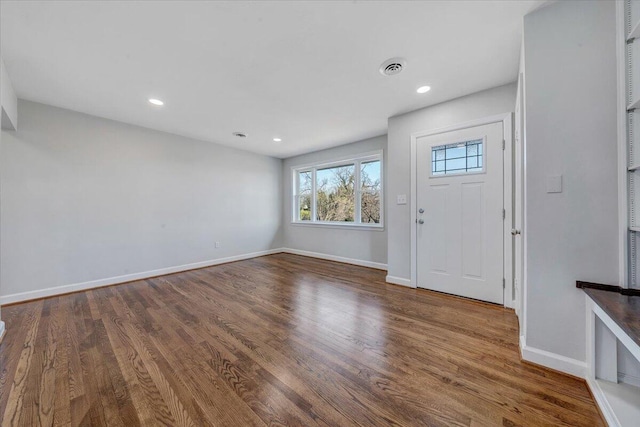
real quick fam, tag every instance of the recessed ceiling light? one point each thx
(277, 139)
(156, 101)
(423, 89)
(240, 134)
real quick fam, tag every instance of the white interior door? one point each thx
(460, 240)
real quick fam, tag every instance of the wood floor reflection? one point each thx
(276, 340)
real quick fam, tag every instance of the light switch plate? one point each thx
(554, 184)
(402, 199)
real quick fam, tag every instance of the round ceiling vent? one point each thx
(240, 134)
(392, 66)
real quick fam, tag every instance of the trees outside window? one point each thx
(335, 194)
(370, 192)
(303, 198)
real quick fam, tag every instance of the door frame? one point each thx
(507, 176)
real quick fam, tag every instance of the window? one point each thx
(347, 192)
(461, 157)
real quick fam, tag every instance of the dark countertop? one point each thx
(623, 309)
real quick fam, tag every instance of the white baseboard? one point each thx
(64, 289)
(555, 361)
(399, 281)
(362, 263)
(629, 379)
(2, 330)
(57, 290)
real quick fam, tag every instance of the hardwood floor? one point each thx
(277, 340)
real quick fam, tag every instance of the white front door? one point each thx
(460, 241)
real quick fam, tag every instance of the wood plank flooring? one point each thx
(276, 340)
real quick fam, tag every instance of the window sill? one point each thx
(337, 225)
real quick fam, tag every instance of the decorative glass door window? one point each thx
(458, 158)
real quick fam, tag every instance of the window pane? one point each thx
(304, 182)
(335, 199)
(304, 207)
(456, 164)
(455, 151)
(370, 207)
(461, 157)
(370, 175)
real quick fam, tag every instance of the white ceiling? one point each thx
(303, 71)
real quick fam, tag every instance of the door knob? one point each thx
(421, 221)
(421, 210)
(514, 232)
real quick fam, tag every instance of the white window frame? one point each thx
(314, 167)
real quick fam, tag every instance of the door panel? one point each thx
(438, 253)
(472, 230)
(460, 233)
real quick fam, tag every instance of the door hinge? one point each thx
(504, 283)
(504, 144)
(504, 214)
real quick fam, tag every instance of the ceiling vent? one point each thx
(240, 134)
(392, 66)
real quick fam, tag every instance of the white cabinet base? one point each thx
(619, 402)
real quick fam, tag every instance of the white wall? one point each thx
(85, 199)
(8, 120)
(362, 245)
(8, 100)
(519, 222)
(482, 104)
(570, 107)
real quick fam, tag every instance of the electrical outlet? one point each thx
(217, 244)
